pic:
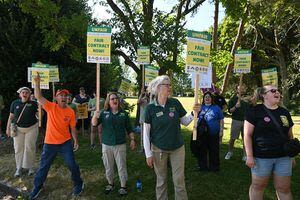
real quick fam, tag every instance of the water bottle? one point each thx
(139, 185)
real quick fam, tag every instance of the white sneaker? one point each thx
(18, 173)
(228, 155)
(244, 158)
(31, 172)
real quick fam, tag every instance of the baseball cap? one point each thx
(64, 91)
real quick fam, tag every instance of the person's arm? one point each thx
(75, 139)
(132, 140)
(37, 90)
(291, 136)
(248, 132)
(95, 118)
(186, 120)
(221, 128)
(147, 145)
(10, 118)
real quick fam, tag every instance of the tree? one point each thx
(138, 23)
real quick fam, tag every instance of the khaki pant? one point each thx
(25, 146)
(110, 154)
(160, 159)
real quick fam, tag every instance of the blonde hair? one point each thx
(153, 85)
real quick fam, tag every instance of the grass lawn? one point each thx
(231, 183)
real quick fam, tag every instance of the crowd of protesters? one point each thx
(161, 117)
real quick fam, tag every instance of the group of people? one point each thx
(162, 140)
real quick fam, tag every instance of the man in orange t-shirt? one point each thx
(60, 120)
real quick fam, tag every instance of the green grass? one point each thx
(231, 183)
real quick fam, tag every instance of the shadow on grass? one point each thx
(232, 182)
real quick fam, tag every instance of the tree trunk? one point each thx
(215, 38)
(235, 45)
(283, 72)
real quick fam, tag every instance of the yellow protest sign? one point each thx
(53, 73)
(269, 76)
(151, 72)
(98, 44)
(43, 70)
(125, 86)
(198, 52)
(242, 61)
(82, 111)
(143, 55)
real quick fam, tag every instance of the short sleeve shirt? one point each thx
(267, 141)
(239, 113)
(165, 124)
(28, 117)
(114, 127)
(212, 114)
(58, 122)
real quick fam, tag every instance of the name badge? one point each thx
(159, 114)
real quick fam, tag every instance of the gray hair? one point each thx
(153, 85)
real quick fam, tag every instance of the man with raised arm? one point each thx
(61, 119)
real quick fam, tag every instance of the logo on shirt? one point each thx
(66, 118)
(17, 107)
(284, 120)
(159, 114)
(267, 119)
(171, 114)
(107, 116)
(172, 109)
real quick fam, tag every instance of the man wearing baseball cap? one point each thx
(60, 120)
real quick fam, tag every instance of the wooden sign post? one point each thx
(197, 62)
(98, 51)
(196, 102)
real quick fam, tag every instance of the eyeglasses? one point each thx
(115, 98)
(166, 84)
(273, 91)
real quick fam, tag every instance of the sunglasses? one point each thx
(272, 91)
(166, 84)
(115, 98)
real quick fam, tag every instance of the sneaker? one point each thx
(108, 189)
(18, 173)
(93, 146)
(228, 155)
(123, 191)
(35, 192)
(77, 190)
(244, 158)
(31, 172)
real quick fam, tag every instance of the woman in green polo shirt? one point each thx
(115, 123)
(162, 137)
(23, 114)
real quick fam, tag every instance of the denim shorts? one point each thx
(279, 166)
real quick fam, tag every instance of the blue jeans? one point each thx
(266, 166)
(48, 155)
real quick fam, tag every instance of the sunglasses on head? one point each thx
(272, 91)
(166, 84)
